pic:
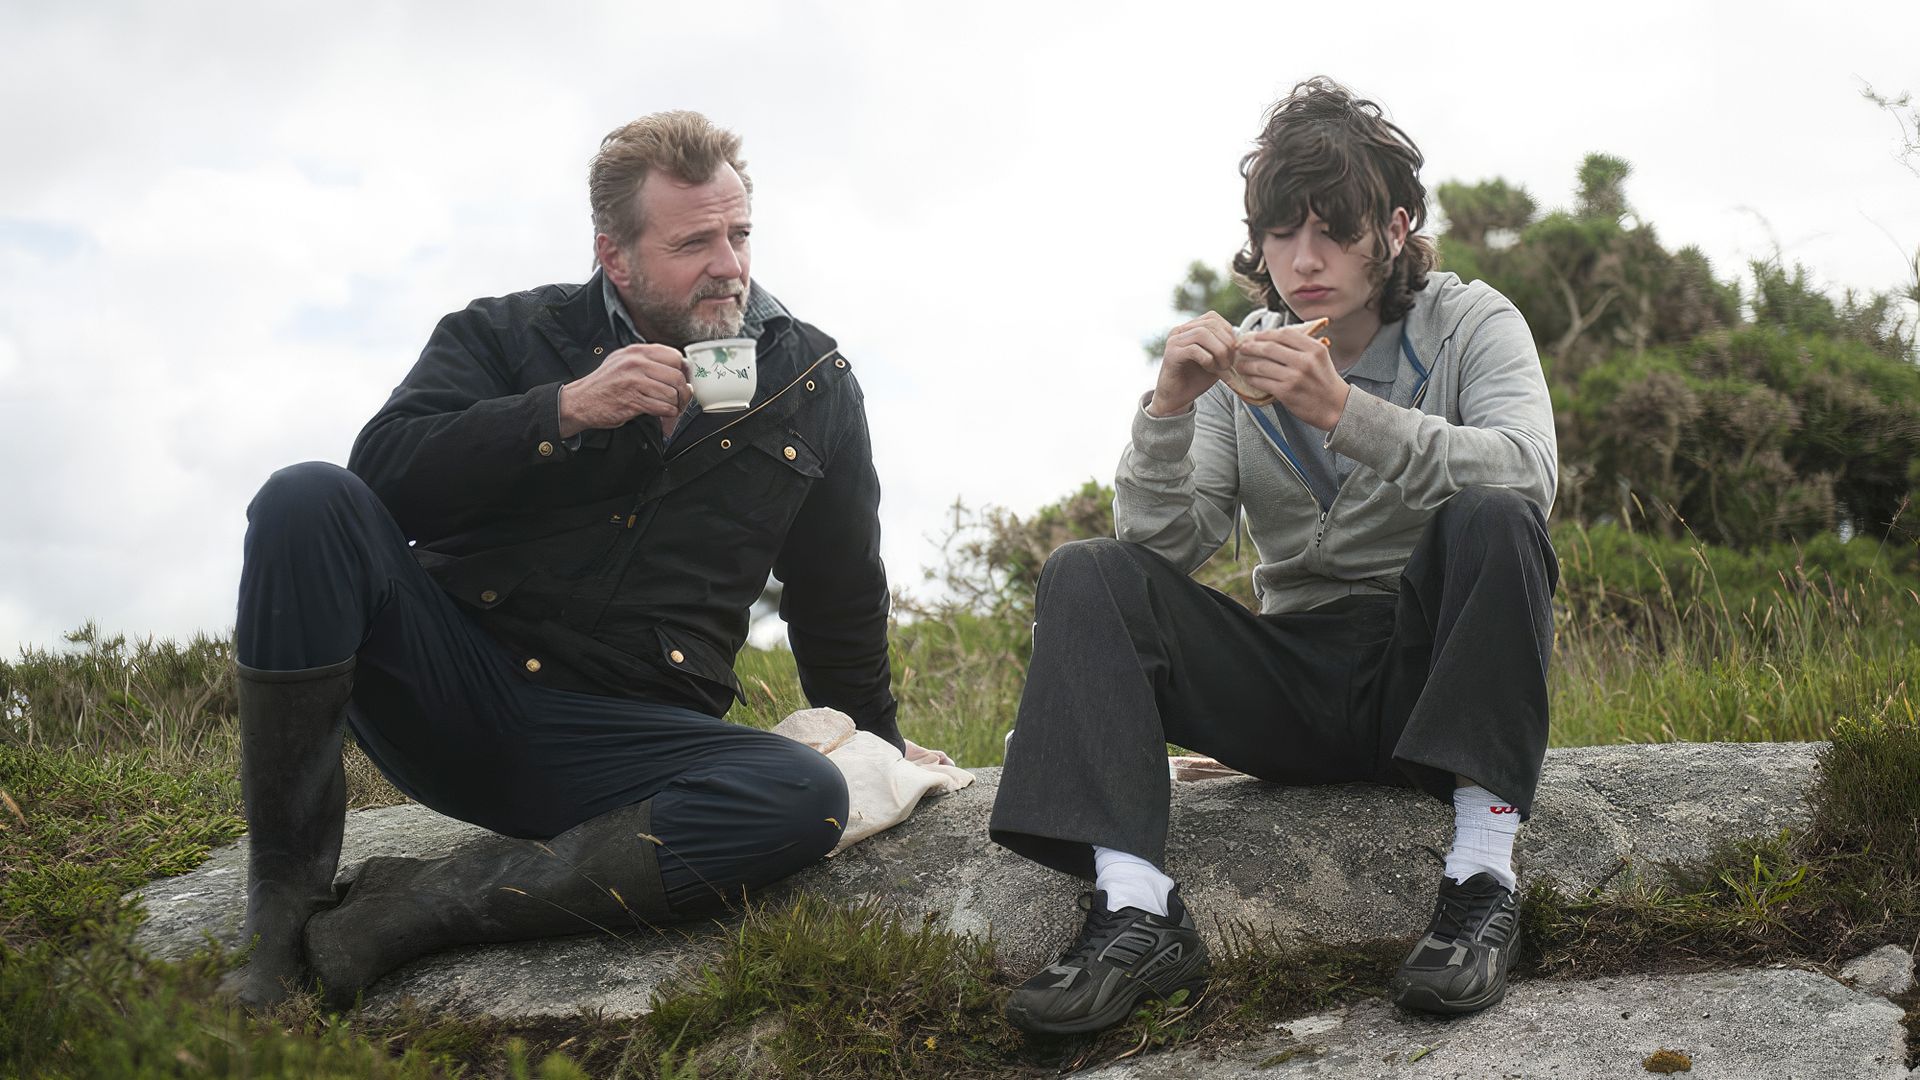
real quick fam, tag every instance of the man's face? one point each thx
(685, 278)
(1316, 275)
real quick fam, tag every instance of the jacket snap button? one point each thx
(533, 666)
(840, 363)
(791, 453)
(809, 384)
(597, 350)
(546, 448)
(726, 444)
(677, 656)
(489, 596)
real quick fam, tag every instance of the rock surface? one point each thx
(1779, 1024)
(1338, 864)
(1887, 970)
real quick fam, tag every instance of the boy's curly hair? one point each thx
(1324, 150)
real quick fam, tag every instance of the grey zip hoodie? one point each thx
(1484, 418)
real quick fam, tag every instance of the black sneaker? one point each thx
(1461, 965)
(1121, 957)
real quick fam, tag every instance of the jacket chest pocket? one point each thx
(776, 469)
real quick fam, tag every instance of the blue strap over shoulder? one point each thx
(1413, 358)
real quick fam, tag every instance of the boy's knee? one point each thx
(1487, 503)
(1082, 562)
(1489, 516)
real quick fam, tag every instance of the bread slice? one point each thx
(1258, 399)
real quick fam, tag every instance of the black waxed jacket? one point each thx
(625, 566)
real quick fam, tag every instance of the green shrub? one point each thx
(174, 701)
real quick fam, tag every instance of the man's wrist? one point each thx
(569, 426)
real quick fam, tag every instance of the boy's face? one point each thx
(1318, 276)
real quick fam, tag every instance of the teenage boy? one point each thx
(1395, 485)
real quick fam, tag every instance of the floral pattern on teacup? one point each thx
(721, 358)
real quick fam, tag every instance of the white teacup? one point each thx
(724, 375)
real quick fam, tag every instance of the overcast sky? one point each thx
(227, 229)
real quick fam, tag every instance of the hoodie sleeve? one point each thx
(1505, 436)
(1178, 486)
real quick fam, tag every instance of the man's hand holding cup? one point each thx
(639, 380)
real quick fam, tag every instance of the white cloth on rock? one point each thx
(883, 787)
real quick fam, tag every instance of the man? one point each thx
(1395, 488)
(526, 596)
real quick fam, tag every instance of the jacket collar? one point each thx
(762, 309)
(1380, 361)
(582, 328)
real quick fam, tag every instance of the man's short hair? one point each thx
(684, 145)
(1324, 149)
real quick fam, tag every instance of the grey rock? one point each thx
(1887, 970)
(1338, 864)
(1780, 1024)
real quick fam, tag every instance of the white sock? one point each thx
(1483, 830)
(1130, 881)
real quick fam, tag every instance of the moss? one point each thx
(1667, 1061)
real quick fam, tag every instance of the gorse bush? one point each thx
(174, 701)
(1745, 438)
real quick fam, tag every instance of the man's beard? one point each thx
(671, 322)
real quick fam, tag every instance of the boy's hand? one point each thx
(1296, 368)
(1197, 355)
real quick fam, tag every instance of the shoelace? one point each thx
(1460, 914)
(1100, 924)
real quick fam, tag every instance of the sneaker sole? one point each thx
(1117, 1010)
(1426, 999)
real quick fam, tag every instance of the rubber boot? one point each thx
(600, 876)
(294, 787)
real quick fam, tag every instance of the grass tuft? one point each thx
(90, 829)
(815, 988)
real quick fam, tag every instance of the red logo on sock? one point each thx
(1504, 809)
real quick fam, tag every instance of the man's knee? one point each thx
(814, 811)
(297, 492)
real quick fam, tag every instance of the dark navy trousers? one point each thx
(1447, 677)
(440, 708)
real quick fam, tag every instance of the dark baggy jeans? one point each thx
(1129, 654)
(438, 706)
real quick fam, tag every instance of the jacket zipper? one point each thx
(1321, 534)
(1298, 475)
